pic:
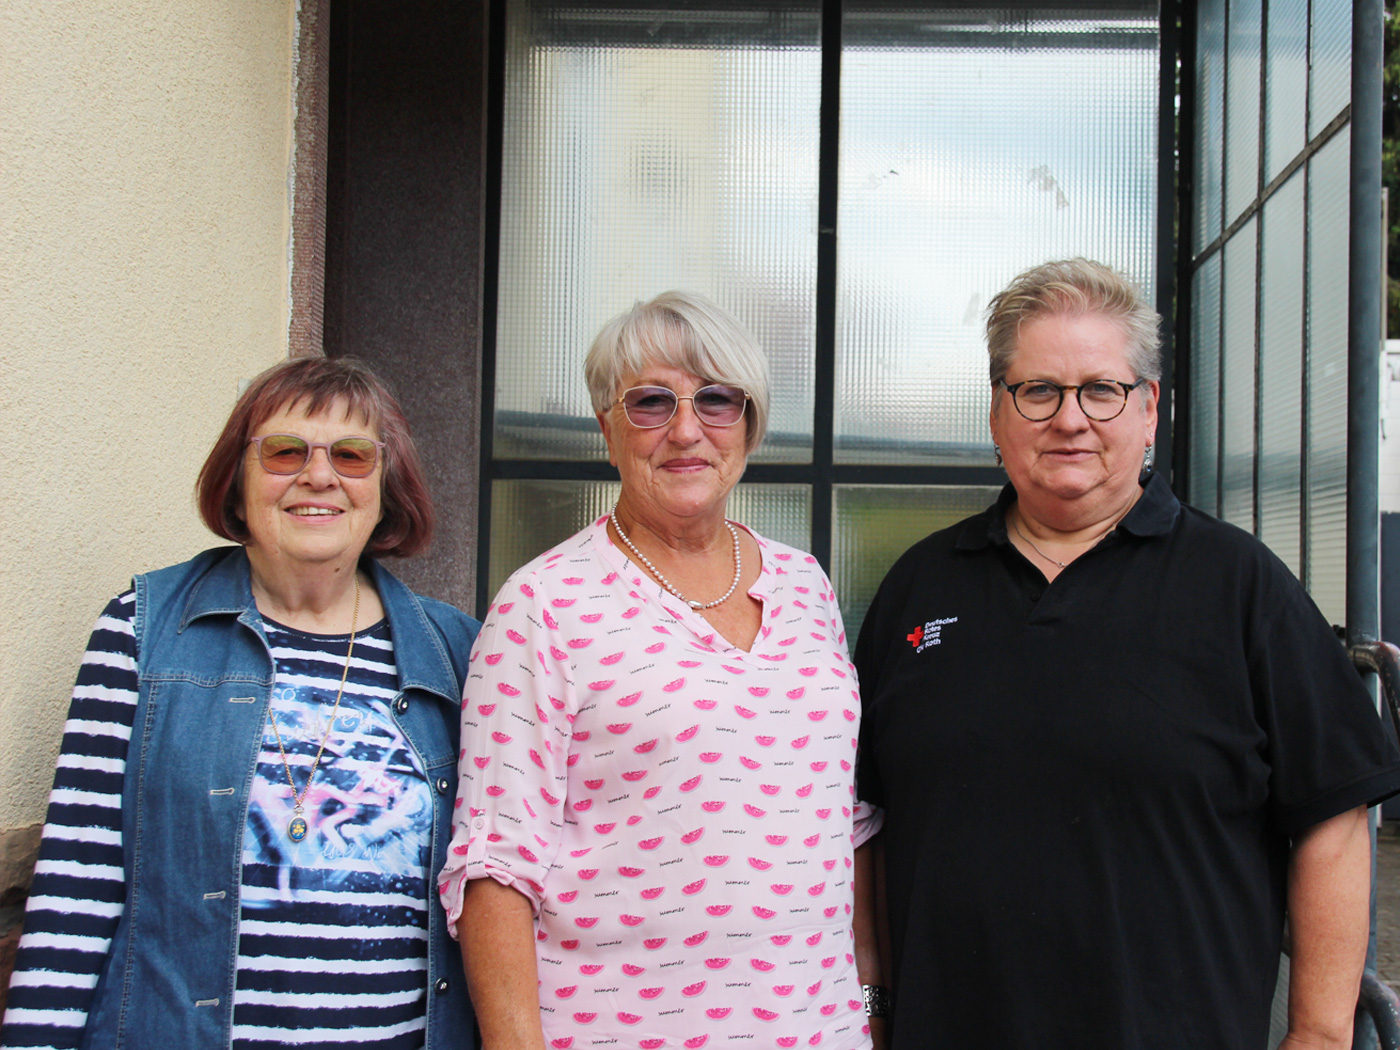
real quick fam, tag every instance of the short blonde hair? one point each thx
(1075, 287)
(686, 331)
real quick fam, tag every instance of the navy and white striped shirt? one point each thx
(332, 946)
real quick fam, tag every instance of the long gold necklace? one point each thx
(297, 827)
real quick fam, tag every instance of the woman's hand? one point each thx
(872, 938)
(497, 933)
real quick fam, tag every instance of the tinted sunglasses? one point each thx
(350, 457)
(653, 406)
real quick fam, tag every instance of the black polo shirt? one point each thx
(1089, 786)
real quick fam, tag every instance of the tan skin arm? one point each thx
(1329, 890)
(497, 934)
(868, 921)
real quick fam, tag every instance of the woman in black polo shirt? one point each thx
(1152, 698)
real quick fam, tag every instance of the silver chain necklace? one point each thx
(1052, 561)
(738, 565)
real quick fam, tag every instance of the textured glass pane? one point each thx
(529, 517)
(874, 524)
(973, 145)
(1242, 108)
(1205, 388)
(1237, 331)
(1210, 120)
(1285, 85)
(647, 150)
(1281, 373)
(1326, 508)
(779, 512)
(1331, 62)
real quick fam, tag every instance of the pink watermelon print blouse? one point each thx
(681, 813)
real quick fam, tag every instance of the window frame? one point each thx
(823, 474)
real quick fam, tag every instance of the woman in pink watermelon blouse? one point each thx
(655, 840)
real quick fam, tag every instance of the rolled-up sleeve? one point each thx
(518, 707)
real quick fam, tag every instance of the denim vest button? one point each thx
(442, 785)
(440, 985)
(401, 705)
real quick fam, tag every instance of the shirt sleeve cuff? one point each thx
(1368, 790)
(868, 820)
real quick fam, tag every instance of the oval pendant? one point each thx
(296, 829)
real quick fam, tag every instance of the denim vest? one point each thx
(206, 677)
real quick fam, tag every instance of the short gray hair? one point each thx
(686, 331)
(1075, 287)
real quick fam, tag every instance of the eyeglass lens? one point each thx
(351, 457)
(1101, 400)
(653, 406)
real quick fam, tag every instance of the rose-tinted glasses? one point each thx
(653, 406)
(350, 457)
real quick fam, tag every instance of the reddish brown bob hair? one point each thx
(314, 384)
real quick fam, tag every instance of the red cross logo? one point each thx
(917, 636)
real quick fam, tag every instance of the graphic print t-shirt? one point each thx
(333, 929)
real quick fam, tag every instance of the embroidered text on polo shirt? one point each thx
(930, 633)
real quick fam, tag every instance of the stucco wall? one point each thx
(144, 158)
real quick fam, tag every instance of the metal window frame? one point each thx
(1363, 309)
(822, 474)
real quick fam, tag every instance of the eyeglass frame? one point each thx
(621, 399)
(312, 446)
(1060, 388)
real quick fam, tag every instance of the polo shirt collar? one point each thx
(1153, 514)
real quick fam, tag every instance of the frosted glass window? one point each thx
(529, 517)
(1285, 85)
(1331, 62)
(1205, 387)
(1242, 107)
(1267, 411)
(1327, 268)
(648, 150)
(1238, 351)
(1210, 119)
(976, 143)
(678, 145)
(874, 524)
(779, 512)
(1281, 373)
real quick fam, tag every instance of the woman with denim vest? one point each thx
(256, 781)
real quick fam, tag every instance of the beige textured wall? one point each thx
(144, 158)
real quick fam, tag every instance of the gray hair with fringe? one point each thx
(685, 331)
(1073, 287)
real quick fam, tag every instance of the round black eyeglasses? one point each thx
(1099, 400)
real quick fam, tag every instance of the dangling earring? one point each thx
(1148, 458)
(997, 449)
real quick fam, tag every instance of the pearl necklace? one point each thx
(738, 565)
